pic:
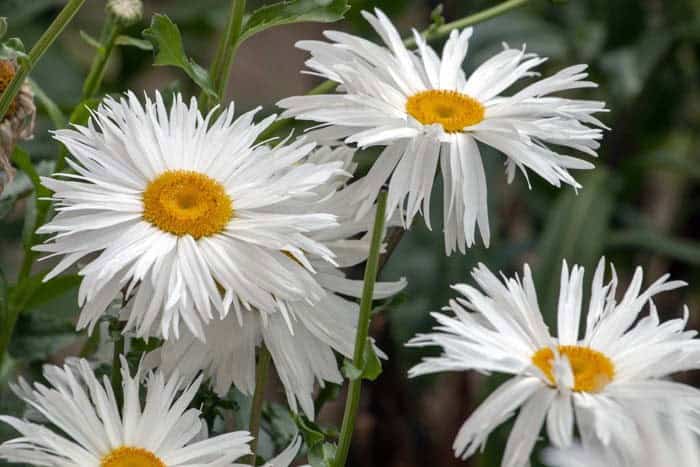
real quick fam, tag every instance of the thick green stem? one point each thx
(30, 61)
(221, 66)
(261, 371)
(353, 398)
(94, 78)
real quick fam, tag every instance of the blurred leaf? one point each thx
(52, 110)
(21, 158)
(20, 187)
(322, 454)
(23, 10)
(81, 113)
(40, 334)
(280, 424)
(167, 43)
(12, 48)
(293, 11)
(3, 299)
(129, 41)
(89, 40)
(687, 251)
(51, 290)
(371, 367)
(3, 27)
(576, 230)
(329, 392)
(310, 431)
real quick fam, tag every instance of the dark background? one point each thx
(638, 207)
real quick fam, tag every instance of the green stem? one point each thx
(8, 322)
(116, 377)
(261, 371)
(29, 62)
(110, 31)
(443, 31)
(221, 66)
(430, 34)
(353, 398)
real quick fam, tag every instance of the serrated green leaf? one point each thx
(294, 11)
(322, 455)
(128, 41)
(167, 44)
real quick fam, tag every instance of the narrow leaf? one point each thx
(293, 11)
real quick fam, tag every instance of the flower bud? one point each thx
(125, 12)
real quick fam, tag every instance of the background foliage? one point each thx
(639, 207)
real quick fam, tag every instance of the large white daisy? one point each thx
(183, 206)
(424, 109)
(91, 430)
(660, 442)
(302, 338)
(596, 382)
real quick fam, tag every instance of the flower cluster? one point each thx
(222, 245)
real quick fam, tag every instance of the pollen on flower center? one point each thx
(131, 457)
(451, 109)
(7, 72)
(184, 202)
(592, 369)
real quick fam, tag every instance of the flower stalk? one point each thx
(221, 65)
(261, 372)
(353, 398)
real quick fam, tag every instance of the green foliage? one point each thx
(294, 11)
(371, 367)
(169, 51)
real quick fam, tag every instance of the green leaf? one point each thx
(21, 158)
(350, 371)
(167, 43)
(13, 48)
(128, 41)
(373, 367)
(576, 230)
(51, 290)
(52, 110)
(687, 251)
(3, 298)
(294, 11)
(310, 431)
(322, 455)
(81, 113)
(3, 26)
(89, 40)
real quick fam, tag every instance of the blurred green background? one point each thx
(638, 207)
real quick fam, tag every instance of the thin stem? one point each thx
(110, 31)
(429, 34)
(221, 65)
(445, 29)
(30, 61)
(116, 376)
(353, 398)
(261, 371)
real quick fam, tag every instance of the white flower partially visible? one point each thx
(91, 432)
(596, 383)
(425, 111)
(181, 207)
(661, 442)
(301, 341)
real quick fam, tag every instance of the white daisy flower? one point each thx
(183, 205)
(424, 109)
(302, 340)
(596, 382)
(661, 442)
(90, 430)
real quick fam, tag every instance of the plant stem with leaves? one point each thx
(28, 62)
(361, 339)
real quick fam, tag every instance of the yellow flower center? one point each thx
(451, 109)
(131, 457)
(592, 369)
(7, 72)
(183, 202)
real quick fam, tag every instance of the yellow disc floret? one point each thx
(131, 457)
(184, 202)
(451, 109)
(592, 369)
(7, 72)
